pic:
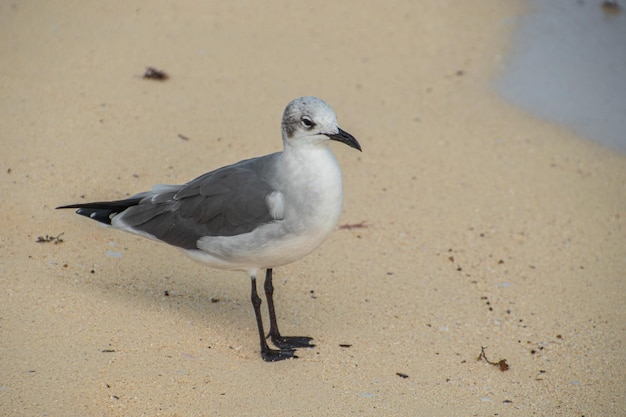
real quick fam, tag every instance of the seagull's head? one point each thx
(309, 120)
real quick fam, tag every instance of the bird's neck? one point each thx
(312, 160)
(314, 168)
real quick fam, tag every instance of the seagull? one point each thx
(259, 213)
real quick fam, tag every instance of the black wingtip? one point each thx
(103, 215)
(102, 211)
(67, 206)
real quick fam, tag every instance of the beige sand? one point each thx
(484, 227)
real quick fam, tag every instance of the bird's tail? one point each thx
(103, 211)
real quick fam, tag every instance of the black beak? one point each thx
(344, 137)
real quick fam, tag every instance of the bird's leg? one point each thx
(268, 355)
(283, 342)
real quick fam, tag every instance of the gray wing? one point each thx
(225, 202)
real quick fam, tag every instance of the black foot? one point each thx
(272, 355)
(291, 342)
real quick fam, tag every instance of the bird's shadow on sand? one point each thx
(213, 299)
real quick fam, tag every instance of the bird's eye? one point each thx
(307, 123)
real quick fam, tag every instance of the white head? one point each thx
(312, 121)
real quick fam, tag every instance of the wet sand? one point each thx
(479, 225)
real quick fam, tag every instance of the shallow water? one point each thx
(568, 64)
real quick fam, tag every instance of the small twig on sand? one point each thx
(501, 363)
(46, 239)
(361, 225)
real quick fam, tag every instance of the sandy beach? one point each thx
(467, 223)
